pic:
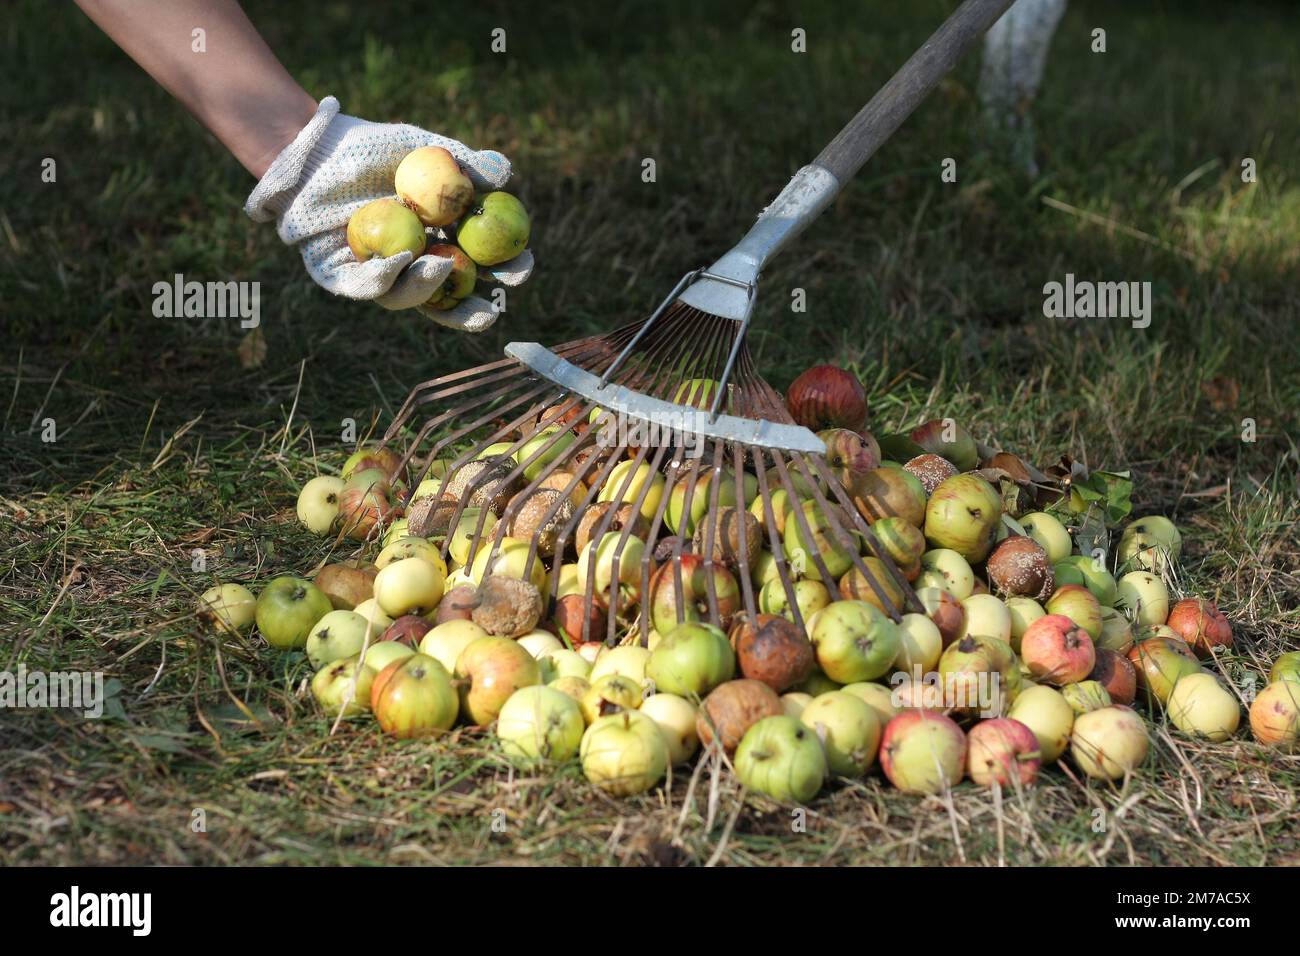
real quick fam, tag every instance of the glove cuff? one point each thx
(296, 162)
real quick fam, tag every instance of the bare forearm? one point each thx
(237, 88)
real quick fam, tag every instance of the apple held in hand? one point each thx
(337, 635)
(1275, 715)
(287, 610)
(624, 753)
(848, 729)
(826, 396)
(690, 660)
(384, 228)
(343, 686)
(488, 672)
(1200, 706)
(229, 607)
(782, 758)
(432, 184)
(413, 697)
(1109, 743)
(922, 751)
(1003, 751)
(494, 231)
(540, 724)
(318, 503)
(964, 514)
(854, 641)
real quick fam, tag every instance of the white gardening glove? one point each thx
(335, 166)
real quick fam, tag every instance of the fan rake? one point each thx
(602, 449)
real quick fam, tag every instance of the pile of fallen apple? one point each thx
(433, 191)
(1025, 651)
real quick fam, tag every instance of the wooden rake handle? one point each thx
(895, 101)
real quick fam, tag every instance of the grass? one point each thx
(933, 292)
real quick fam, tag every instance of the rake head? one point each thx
(650, 470)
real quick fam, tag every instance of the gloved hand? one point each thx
(335, 166)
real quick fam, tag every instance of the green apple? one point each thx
(1199, 705)
(1286, 667)
(1048, 531)
(287, 610)
(567, 663)
(409, 586)
(848, 729)
(445, 641)
(697, 393)
(691, 660)
(337, 635)
(945, 569)
(495, 230)
(1023, 612)
(629, 661)
(1088, 572)
(876, 696)
(1046, 712)
(230, 607)
(548, 444)
(1109, 743)
(1151, 543)
(613, 489)
(781, 757)
(1145, 596)
(964, 514)
(676, 717)
(384, 228)
(343, 685)
(923, 751)
(540, 724)
(809, 597)
(624, 753)
(318, 503)
(379, 655)
(835, 552)
(854, 641)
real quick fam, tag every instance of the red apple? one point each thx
(574, 611)
(1001, 751)
(1201, 625)
(407, 629)
(1161, 662)
(413, 697)
(945, 438)
(826, 396)
(1057, 651)
(1115, 672)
